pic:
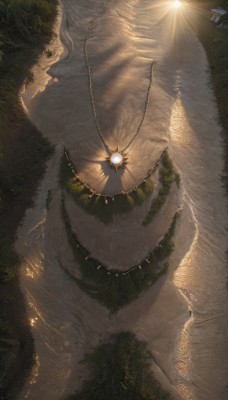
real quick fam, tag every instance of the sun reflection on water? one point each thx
(179, 132)
(178, 122)
(33, 321)
(34, 267)
(33, 375)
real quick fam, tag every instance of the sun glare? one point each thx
(177, 4)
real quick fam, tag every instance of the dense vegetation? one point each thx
(215, 41)
(25, 26)
(102, 207)
(166, 178)
(8, 349)
(111, 287)
(120, 371)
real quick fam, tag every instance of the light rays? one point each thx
(177, 4)
(175, 15)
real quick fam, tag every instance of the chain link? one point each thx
(88, 35)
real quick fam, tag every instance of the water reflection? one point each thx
(33, 376)
(197, 152)
(68, 323)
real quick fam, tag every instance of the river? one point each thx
(183, 317)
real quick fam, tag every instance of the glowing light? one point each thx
(33, 321)
(116, 159)
(177, 4)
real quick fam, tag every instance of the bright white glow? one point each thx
(116, 159)
(177, 4)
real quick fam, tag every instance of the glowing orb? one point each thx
(177, 4)
(116, 159)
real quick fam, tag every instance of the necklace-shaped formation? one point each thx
(116, 158)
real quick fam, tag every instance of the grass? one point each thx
(103, 208)
(167, 177)
(120, 370)
(25, 27)
(113, 288)
(215, 42)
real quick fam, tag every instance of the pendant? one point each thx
(117, 159)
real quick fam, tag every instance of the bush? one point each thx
(120, 371)
(115, 288)
(167, 177)
(103, 208)
(8, 350)
(26, 18)
(8, 261)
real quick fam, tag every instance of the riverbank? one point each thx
(67, 323)
(215, 42)
(24, 153)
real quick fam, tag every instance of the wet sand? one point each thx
(66, 323)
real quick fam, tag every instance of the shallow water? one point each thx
(190, 352)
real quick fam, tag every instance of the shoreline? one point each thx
(20, 144)
(155, 289)
(142, 332)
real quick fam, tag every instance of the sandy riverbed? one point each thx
(65, 321)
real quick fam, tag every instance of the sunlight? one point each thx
(34, 266)
(178, 122)
(33, 321)
(177, 4)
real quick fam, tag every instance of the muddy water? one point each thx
(190, 351)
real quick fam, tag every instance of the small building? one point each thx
(217, 13)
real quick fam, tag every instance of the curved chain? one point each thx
(145, 108)
(91, 26)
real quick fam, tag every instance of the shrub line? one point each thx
(93, 191)
(112, 287)
(102, 206)
(167, 176)
(108, 270)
